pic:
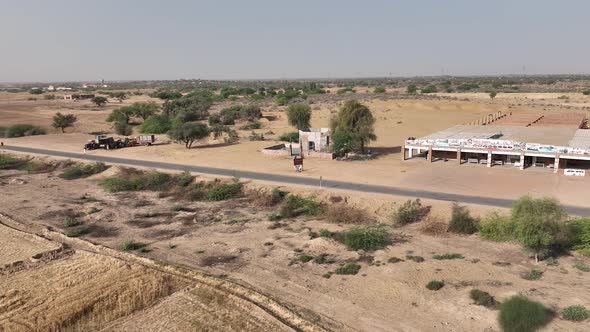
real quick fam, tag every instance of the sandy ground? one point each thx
(396, 120)
(234, 239)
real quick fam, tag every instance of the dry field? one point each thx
(53, 283)
(234, 241)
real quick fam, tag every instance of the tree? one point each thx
(122, 128)
(167, 95)
(411, 89)
(537, 224)
(586, 92)
(121, 115)
(63, 121)
(36, 91)
(99, 101)
(120, 96)
(144, 109)
(156, 124)
(299, 116)
(379, 89)
(189, 132)
(356, 119)
(493, 94)
(342, 143)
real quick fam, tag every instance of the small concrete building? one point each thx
(315, 142)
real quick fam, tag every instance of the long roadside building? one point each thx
(557, 142)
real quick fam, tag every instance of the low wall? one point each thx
(320, 155)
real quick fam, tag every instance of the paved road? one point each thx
(290, 179)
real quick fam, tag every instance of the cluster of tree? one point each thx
(36, 91)
(120, 117)
(191, 107)
(352, 128)
(230, 91)
(228, 116)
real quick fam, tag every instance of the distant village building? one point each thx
(63, 88)
(79, 96)
(50, 88)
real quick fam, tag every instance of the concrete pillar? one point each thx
(489, 158)
(534, 160)
(556, 165)
(521, 161)
(410, 153)
(430, 153)
(403, 152)
(459, 156)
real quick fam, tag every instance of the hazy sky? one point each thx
(58, 40)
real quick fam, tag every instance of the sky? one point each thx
(84, 40)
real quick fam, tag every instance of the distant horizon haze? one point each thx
(82, 41)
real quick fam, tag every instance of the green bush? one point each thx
(497, 228)
(20, 130)
(582, 267)
(184, 179)
(326, 233)
(435, 285)
(223, 191)
(277, 195)
(294, 205)
(448, 256)
(461, 221)
(304, 258)
(11, 162)
(77, 232)
(533, 274)
(71, 222)
(79, 171)
(251, 125)
(586, 92)
(410, 212)
(482, 298)
(367, 238)
(348, 268)
(519, 314)
(153, 181)
(129, 245)
(576, 313)
(581, 229)
(379, 89)
(290, 137)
